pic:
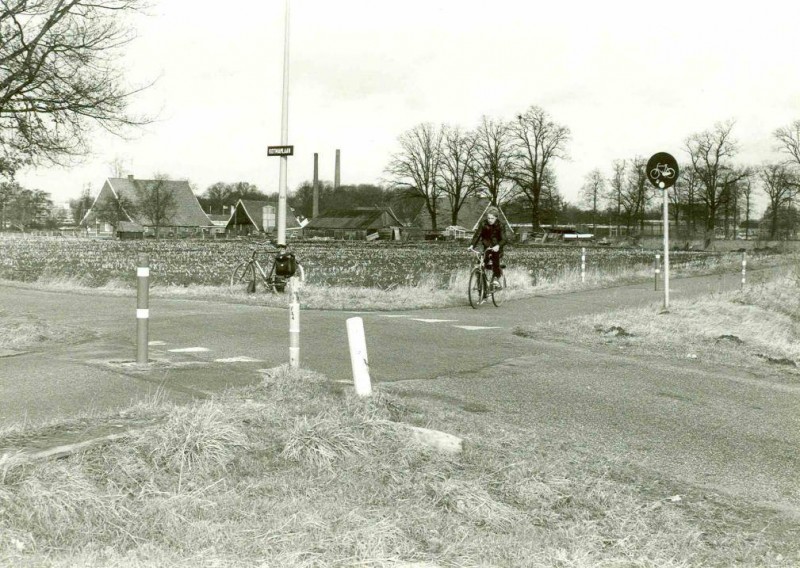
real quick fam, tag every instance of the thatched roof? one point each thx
(188, 212)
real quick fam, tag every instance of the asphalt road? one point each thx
(721, 428)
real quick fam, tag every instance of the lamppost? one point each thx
(282, 191)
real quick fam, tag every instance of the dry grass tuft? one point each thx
(199, 437)
(320, 441)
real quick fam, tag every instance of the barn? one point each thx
(118, 202)
(360, 223)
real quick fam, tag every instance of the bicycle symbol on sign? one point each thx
(662, 171)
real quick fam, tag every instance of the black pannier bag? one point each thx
(285, 264)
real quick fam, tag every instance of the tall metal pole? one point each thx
(282, 192)
(666, 249)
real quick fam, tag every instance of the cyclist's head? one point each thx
(492, 213)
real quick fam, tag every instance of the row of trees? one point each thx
(713, 193)
(510, 163)
(499, 160)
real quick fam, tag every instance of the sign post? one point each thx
(284, 154)
(662, 171)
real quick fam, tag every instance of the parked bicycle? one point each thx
(483, 284)
(274, 273)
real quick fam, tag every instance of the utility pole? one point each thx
(315, 205)
(282, 191)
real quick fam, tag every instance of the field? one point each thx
(356, 264)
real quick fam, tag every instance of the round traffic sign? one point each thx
(662, 170)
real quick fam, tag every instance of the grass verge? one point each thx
(751, 328)
(298, 471)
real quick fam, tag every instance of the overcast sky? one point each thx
(627, 77)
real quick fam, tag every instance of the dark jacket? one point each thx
(489, 234)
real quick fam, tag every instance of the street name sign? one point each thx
(280, 150)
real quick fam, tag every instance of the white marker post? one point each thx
(358, 356)
(657, 269)
(744, 269)
(142, 308)
(583, 265)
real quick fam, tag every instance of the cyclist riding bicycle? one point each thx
(490, 234)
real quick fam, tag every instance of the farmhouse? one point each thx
(250, 217)
(117, 209)
(469, 215)
(355, 224)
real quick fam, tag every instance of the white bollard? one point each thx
(657, 269)
(358, 356)
(583, 265)
(142, 308)
(294, 327)
(744, 269)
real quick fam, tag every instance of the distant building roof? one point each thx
(360, 218)
(250, 211)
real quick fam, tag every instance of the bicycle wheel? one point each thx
(475, 291)
(498, 294)
(243, 277)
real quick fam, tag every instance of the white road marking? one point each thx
(190, 350)
(156, 342)
(239, 359)
(431, 320)
(393, 316)
(475, 327)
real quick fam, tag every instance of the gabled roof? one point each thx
(360, 218)
(469, 214)
(188, 212)
(251, 211)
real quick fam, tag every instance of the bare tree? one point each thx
(711, 152)
(635, 195)
(457, 165)
(789, 141)
(746, 196)
(416, 168)
(616, 188)
(156, 203)
(780, 183)
(114, 209)
(493, 166)
(592, 192)
(60, 75)
(538, 141)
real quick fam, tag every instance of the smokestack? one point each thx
(336, 177)
(315, 208)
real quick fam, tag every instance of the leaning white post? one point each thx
(358, 356)
(142, 308)
(294, 326)
(744, 269)
(583, 265)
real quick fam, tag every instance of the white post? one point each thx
(657, 270)
(666, 249)
(744, 269)
(358, 356)
(583, 264)
(142, 308)
(294, 326)
(282, 191)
